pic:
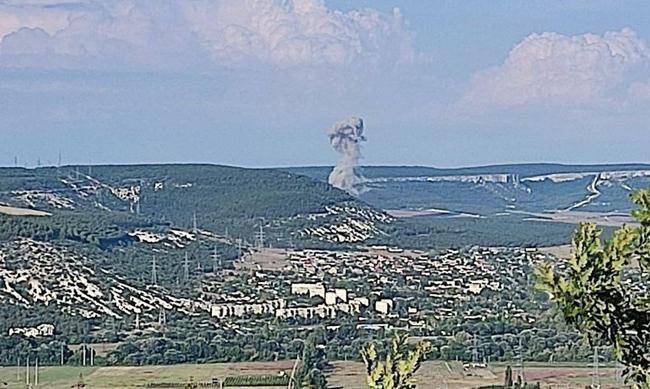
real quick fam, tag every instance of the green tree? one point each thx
(394, 367)
(592, 297)
(313, 361)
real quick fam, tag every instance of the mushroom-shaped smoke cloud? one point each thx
(346, 137)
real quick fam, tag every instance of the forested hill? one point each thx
(221, 199)
(501, 189)
(523, 170)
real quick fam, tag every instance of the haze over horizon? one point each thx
(258, 83)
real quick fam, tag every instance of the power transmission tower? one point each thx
(217, 260)
(260, 237)
(186, 268)
(162, 317)
(154, 275)
(595, 373)
(475, 352)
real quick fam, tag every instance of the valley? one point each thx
(205, 264)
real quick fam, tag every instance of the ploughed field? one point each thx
(345, 374)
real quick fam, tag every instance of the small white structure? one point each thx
(342, 294)
(361, 301)
(330, 298)
(309, 289)
(384, 306)
(476, 286)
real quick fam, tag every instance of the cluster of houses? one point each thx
(382, 282)
(247, 309)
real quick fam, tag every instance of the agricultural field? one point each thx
(345, 374)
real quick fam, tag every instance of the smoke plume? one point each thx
(346, 137)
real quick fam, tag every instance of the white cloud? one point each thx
(279, 33)
(558, 70)
(298, 32)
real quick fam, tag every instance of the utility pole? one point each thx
(521, 361)
(36, 373)
(18, 370)
(92, 357)
(194, 224)
(239, 249)
(137, 321)
(61, 354)
(27, 372)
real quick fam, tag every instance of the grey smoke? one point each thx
(346, 137)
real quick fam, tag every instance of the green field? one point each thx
(433, 374)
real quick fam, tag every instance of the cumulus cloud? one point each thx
(298, 32)
(554, 69)
(279, 33)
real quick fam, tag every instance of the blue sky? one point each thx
(255, 83)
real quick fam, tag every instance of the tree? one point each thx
(592, 297)
(508, 379)
(394, 367)
(313, 361)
